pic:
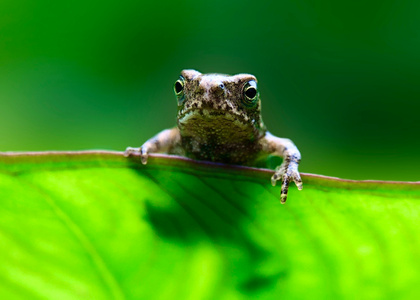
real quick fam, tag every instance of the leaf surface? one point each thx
(97, 225)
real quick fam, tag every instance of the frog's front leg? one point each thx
(162, 142)
(288, 170)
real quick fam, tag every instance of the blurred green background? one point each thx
(340, 78)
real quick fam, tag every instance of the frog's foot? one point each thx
(142, 151)
(285, 173)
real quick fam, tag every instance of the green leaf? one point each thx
(97, 225)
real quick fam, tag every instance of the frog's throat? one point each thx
(208, 114)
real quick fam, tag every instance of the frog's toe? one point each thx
(284, 189)
(144, 156)
(283, 198)
(274, 179)
(298, 181)
(286, 177)
(278, 175)
(142, 151)
(130, 150)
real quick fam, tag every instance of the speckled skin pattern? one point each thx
(214, 124)
(219, 120)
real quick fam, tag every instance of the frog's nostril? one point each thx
(219, 89)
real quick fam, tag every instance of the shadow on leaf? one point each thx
(211, 210)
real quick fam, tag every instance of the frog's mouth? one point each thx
(213, 116)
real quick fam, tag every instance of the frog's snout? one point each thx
(218, 89)
(213, 90)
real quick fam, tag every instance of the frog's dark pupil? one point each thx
(178, 87)
(251, 92)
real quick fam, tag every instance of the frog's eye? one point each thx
(250, 93)
(179, 86)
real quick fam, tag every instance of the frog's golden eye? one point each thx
(179, 86)
(250, 93)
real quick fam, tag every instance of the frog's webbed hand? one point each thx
(162, 142)
(288, 170)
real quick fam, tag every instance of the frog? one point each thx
(219, 120)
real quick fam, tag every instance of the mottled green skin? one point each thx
(214, 121)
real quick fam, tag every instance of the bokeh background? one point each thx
(340, 78)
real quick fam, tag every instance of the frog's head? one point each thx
(213, 97)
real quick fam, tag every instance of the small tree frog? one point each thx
(219, 120)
